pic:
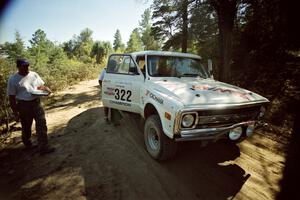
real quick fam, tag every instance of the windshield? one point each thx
(170, 66)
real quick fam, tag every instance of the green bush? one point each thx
(6, 69)
(56, 76)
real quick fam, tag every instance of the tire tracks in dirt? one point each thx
(94, 160)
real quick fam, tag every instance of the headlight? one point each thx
(249, 130)
(235, 133)
(188, 120)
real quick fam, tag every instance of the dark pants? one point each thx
(28, 111)
(105, 111)
(115, 116)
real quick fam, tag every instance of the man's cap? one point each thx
(22, 62)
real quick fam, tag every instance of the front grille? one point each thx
(226, 117)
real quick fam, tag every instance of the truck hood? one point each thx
(193, 91)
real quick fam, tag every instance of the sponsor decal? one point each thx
(235, 93)
(200, 87)
(221, 90)
(121, 103)
(120, 86)
(109, 91)
(154, 97)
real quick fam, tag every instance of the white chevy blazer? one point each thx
(179, 100)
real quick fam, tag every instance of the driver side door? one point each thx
(121, 84)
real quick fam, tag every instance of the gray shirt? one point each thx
(23, 87)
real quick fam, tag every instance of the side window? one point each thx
(141, 64)
(153, 65)
(111, 65)
(124, 65)
(120, 64)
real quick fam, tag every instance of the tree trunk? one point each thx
(184, 41)
(226, 11)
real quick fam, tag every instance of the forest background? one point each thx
(253, 44)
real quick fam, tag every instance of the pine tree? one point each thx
(135, 42)
(83, 45)
(149, 43)
(172, 22)
(118, 44)
(14, 50)
(40, 48)
(101, 50)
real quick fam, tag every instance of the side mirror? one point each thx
(133, 70)
(210, 68)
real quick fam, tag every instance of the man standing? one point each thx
(110, 115)
(24, 89)
(100, 79)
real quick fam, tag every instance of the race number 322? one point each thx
(123, 95)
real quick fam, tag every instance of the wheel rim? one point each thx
(153, 139)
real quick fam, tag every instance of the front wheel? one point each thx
(158, 145)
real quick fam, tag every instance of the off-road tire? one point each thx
(159, 146)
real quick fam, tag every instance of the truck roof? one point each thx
(165, 53)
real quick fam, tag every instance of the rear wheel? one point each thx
(158, 145)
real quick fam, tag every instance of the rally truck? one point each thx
(179, 100)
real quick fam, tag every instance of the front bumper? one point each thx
(208, 133)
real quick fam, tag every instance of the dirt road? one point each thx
(94, 160)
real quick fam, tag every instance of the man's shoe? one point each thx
(46, 150)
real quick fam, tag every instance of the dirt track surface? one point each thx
(94, 160)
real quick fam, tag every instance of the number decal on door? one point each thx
(129, 95)
(121, 95)
(117, 95)
(123, 92)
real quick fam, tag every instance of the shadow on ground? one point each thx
(291, 174)
(94, 160)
